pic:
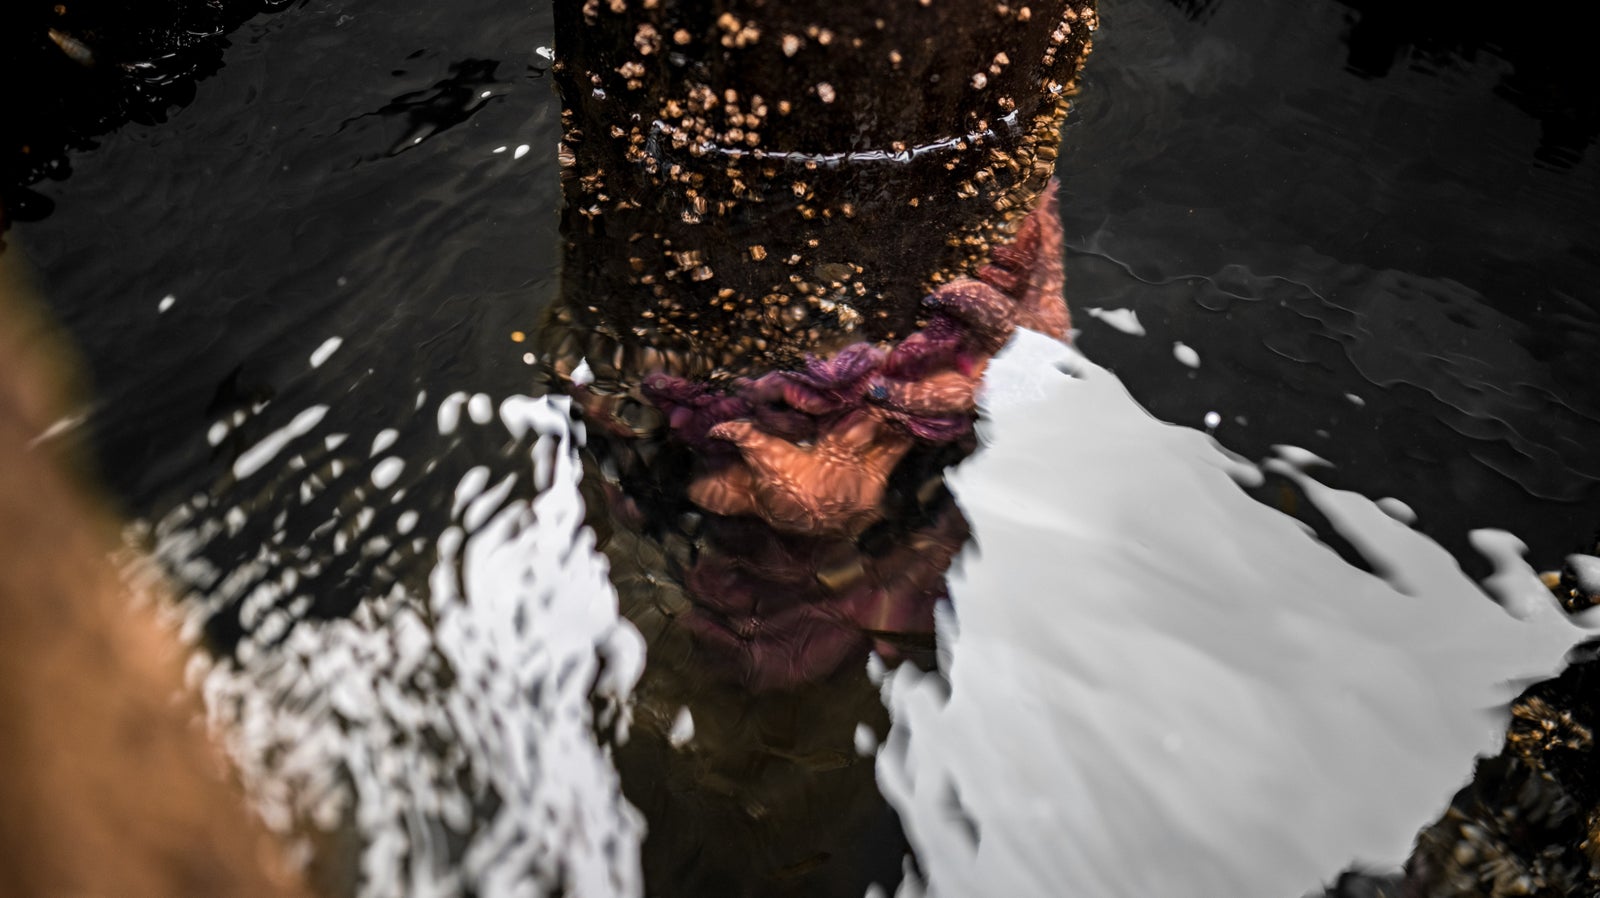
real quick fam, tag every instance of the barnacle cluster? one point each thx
(748, 188)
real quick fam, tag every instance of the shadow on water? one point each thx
(446, 104)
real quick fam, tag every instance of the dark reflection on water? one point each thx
(1313, 234)
(423, 262)
(1224, 158)
(425, 113)
(71, 72)
(1546, 79)
(1389, 264)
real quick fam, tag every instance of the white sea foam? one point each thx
(385, 438)
(1159, 686)
(1186, 354)
(1586, 571)
(450, 412)
(866, 741)
(682, 731)
(1125, 320)
(1397, 509)
(326, 351)
(450, 727)
(387, 471)
(60, 426)
(254, 458)
(1514, 584)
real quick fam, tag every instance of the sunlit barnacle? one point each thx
(76, 50)
(1537, 727)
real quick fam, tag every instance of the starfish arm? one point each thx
(785, 480)
(665, 389)
(882, 458)
(944, 393)
(986, 315)
(929, 428)
(831, 488)
(843, 370)
(926, 350)
(1029, 269)
(808, 399)
(729, 491)
(742, 433)
(788, 423)
(795, 507)
(852, 434)
(767, 388)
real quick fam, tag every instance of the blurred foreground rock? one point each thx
(109, 785)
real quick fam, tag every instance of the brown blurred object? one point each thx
(108, 784)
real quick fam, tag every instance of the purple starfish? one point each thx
(776, 611)
(985, 316)
(693, 408)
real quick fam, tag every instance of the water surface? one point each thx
(1390, 265)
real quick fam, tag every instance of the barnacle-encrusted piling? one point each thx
(748, 181)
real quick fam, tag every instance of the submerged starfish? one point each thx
(692, 409)
(775, 610)
(841, 375)
(985, 315)
(901, 588)
(833, 486)
(946, 393)
(775, 653)
(823, 386)
(934, 347)
(1029, 269)
(808, 451)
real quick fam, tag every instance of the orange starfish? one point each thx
(989, 315)
(1030, 269)
(943, 393)
(832, 487)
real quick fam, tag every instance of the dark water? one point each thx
(1256, 188)
(1323, 201)
(336, 179)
